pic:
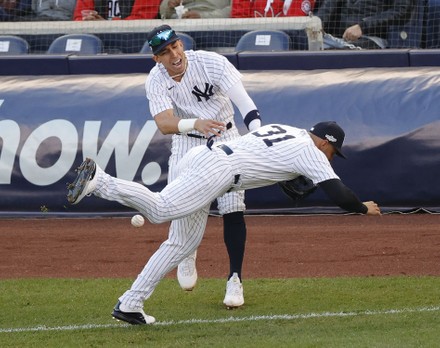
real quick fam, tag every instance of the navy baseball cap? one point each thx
(160, 37)
(330, 131)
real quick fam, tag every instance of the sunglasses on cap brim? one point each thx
(161, 37)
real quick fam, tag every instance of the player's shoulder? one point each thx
(156, 74)
(277, 128)
(280, 127)
(153, 72)
(202, 56)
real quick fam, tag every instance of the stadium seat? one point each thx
(409, 35)
(263, 40)
(188, 43)
(78, 44)
(146, 49)
(13, 45)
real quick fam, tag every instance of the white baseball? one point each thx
(137, 220)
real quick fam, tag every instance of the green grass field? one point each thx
(320, 312)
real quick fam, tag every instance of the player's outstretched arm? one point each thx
(342, 196)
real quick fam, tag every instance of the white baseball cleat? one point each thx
(234, 292)
(187, 272)
(84, 183)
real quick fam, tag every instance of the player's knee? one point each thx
(158, 219)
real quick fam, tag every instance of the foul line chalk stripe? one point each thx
(227, 320)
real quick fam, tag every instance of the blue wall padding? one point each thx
(390, 115)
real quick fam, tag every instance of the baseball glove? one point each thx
(298, 188)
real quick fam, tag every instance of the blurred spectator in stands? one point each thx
(357, 20)
(95, 10)
(433, 24)
(271, 8)
(53, 10)
(195, 9)
(15, 10)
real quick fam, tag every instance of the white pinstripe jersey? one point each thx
(200, 94)
(276, 153)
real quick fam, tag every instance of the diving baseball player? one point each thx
(273, 153)
(190, 94)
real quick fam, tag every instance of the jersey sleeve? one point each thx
(157, 95)
(315, 165)
(221, 71)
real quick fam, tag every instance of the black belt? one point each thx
(227, 150)
(192, 135)
(236, 179)
(195, 136)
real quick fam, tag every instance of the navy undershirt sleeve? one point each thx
(342, 196)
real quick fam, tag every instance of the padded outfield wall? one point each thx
(49, 123)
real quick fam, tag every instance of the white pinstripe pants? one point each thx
(205, 175)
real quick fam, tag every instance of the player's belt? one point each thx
(197, 136)
(236, 179)
(227, 150)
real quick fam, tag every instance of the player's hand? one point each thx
(352, 33)
(373, 208)
(209, 127)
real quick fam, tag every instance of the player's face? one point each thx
(332, 153)
(172, 58)
(328, 149)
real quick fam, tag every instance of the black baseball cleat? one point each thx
(84, 183)
(133, 318)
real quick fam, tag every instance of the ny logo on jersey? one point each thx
(206, 94)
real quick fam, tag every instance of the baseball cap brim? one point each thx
(157, 49)
(339, 152)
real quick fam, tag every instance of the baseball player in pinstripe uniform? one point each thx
(190, 95)
(272, 153)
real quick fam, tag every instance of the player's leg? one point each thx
(155, 206)
(234, 236)
(186, 270)
(180, 243)
(231, 206)
(195, 188)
